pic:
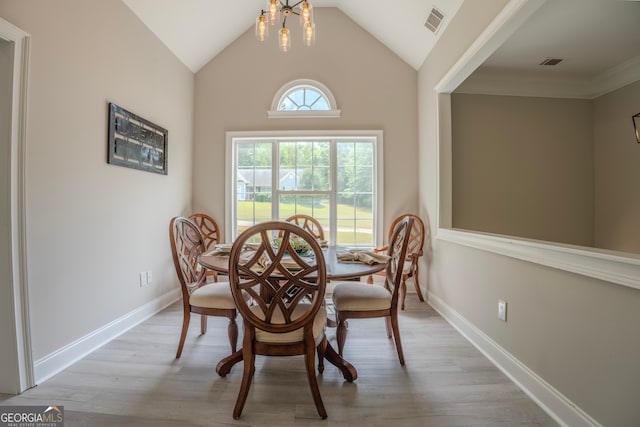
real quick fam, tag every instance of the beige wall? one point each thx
(92, 227)
(523, 167)
(617, 170)
(374, 88)
(578, 334)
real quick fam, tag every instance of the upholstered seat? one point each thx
(319, 324)
(213, 295)
(349, 296)
(408, 266)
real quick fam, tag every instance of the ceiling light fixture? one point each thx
(279, 10)
(636, 126)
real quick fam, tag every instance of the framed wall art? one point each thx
(135, 142)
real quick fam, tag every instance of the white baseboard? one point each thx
(60, 359)
(554, 403)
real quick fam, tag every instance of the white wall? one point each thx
(577, 334)
(374, 88)
(92, 227)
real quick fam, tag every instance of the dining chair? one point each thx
(414, 252)
(360, 301)
(280, 296)
(308, 223)
(213, 299)
(211, 234)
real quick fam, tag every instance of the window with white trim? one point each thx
(304, 98)
(337, 179)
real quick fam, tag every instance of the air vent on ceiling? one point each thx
(434, 20)
(551, 61)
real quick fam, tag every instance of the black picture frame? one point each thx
(135, 142)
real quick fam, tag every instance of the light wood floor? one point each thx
(136, 381)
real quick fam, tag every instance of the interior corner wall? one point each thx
(617, 170)
(372, 86)
(93, 227)
(576, 333)
(523, 166)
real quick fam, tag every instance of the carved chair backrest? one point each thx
(308, 223)
(187, 244)
(285, 287)
(208, 227)
(416, 239)
(397, 251)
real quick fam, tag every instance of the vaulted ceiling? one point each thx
(592, 37)
(197, 30)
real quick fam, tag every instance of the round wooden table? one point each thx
(335, 270)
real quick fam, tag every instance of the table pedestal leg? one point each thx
(348, 370)
(224, 366)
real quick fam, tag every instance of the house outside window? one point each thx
(334, 177)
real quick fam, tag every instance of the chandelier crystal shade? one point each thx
(279, 11)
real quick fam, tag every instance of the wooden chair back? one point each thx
(277, 279)
(399, 243)
(416, 239)
(208, 227)
(308, 223)
(187, 244)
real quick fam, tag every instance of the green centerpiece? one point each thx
(299, 245)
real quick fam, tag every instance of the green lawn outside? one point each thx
(365, 220)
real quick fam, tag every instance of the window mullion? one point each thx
(275, 179)
(333, 209)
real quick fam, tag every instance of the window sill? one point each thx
(323, 114)
(615, 267)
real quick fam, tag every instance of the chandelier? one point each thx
(279, 10)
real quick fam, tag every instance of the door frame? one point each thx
(19, 283)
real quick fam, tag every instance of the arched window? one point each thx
(304, 98)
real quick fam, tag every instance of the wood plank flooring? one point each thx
(135, 380)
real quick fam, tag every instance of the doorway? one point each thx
(16, 365)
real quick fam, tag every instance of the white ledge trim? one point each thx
(610, 266)
(559, 407)
(310, 114)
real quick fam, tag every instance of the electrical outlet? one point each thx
(149, 277)
(143, 279)
(502, 310)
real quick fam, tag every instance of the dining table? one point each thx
(337, 269)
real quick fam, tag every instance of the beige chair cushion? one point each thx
(406, 268)
(295, 336)
(350, 296)
(213, 295)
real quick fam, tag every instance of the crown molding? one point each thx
(484, 82)
(619, 76)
